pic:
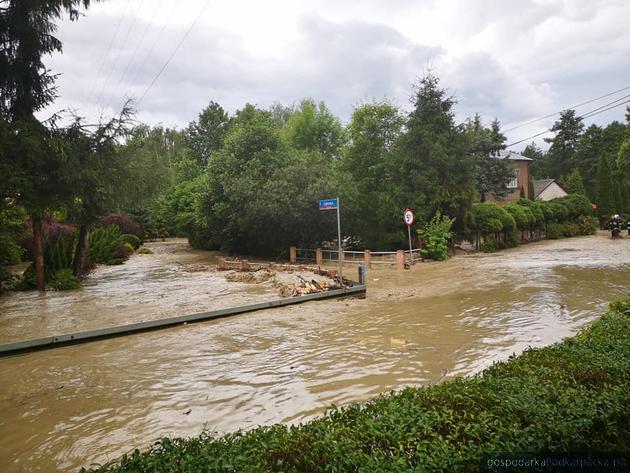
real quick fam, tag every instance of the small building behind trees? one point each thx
(547, 189)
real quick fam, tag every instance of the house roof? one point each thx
(511, 155)
(540, 185)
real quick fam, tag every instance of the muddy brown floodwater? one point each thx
(65, 408)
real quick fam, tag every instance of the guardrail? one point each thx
(401, 258)
(54, 341)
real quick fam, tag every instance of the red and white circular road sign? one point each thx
(408, 217)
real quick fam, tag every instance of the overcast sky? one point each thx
(515, 60)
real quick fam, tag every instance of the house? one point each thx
(520, 164)
(547, 189)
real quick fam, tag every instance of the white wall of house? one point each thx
(551, 192)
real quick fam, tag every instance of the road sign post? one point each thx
(332, 204)
(409, 218)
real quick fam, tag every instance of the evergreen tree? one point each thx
(605, 195)
(484, 145)
(27, 30)
(560, 157)
(206, 135)
(573, 183)
(537, 168)
(434, 170)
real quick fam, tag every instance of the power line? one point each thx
(181, 41)
(155, 42)
(109, 48)
(133, 22)
(568, 108)
(587, 114)
(592, 113)
(137, 48)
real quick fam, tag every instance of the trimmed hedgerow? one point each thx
(569, 397)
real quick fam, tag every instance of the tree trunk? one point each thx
(38, 253)
(81, 250)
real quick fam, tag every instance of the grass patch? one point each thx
(569, 397)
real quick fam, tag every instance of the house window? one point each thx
(513, 183)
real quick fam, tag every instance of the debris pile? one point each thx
(290, 280)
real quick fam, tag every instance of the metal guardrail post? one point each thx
(362, 274)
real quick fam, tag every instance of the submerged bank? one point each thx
(569, 397)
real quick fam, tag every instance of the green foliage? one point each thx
(8, 280)
(587, 225)
(520, 215)
(490, 245)
(12, 219)
(435, 236)
(63, 280)
(133, 240)
(58, 255)
(568, 397)
(484, 144)
(435, 170)
(555, 231)
(205, 136)
(572, 183)
(489, 218)
(145, 251)
(605, 197)
(368, 163)
(622, 305)
(104, 243)
(568, 129)
(313, 127)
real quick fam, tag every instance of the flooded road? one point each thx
(62, 409)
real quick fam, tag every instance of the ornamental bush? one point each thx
(435, 236)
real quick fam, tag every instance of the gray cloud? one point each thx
(510, 60)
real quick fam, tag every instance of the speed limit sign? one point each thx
(408, 217)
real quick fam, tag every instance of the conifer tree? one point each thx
(605, 195)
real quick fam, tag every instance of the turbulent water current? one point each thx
(68, 407)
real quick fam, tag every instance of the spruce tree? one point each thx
(605, 195)
(26, 87)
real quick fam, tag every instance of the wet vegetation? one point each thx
(248, 182)
(568, 397)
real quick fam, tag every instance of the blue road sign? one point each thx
(328, 204)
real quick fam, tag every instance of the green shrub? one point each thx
(588, 225)
(490, 245)
(133, 240)
(570, 230)
(435, 236)
(64, 280)
(513, 239)
(58, 255)
(621, 305)
(568, 397)
(104, 241)
(554, 231)
(145, 251)
(8, 280)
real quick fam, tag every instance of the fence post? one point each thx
(292, 255)
(400, 259)
(367, 259)
(319, 257)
